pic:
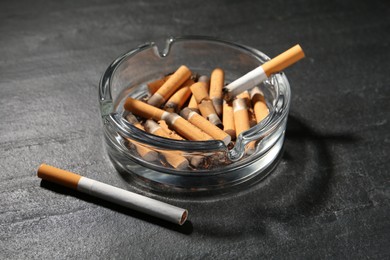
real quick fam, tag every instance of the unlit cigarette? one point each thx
(173, 158)
(259, 105)
(146, 153)
(205, 125)
(217, 80)
(113, 194)
(186, 129)
(262, 72)
(170, 86)
(144, 110)
(228, 120)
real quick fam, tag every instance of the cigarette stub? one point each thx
(186, 129)
(193, 104)
(242, 120)
(217, 80)
(200, 92)
(155, 85)
(205, 125)
(262, 72)
(177, 100)
(259, 105)
(170, 86)
(228, 120)
(172, 157)
(146, 153)
(113, 194)
(171, 133)
(144, 110)
(207, 110)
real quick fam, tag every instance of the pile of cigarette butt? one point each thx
(186, 106)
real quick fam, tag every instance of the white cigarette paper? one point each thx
(262, 72)
(113, 194)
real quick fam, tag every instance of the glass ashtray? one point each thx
(217, 166)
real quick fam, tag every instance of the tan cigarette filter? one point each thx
(171, 133)
(241, 116)
(177, 100)
(283, 60)
(155, 85)
(205, 125)
(172, 157)
(246, 96)
(207, 110)
(186, 129)
(199, 91)
(146, 153)
(144, 110)
(217, 80)
(242, 120)
(228, 120)
(113, 194)
(259, 105)
(170, 86)
(193, 105)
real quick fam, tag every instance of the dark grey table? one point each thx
(327, 198)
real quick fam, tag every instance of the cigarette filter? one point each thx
(146, 153)
(171, 133)
(177, 100)
(155, 85)
(205, 125)
(207, 110)
(170, 86)
(113, 194)
(217, 80)
(228, 120)
(193, 104)
(200, 92)
(262, 72)
(173, 158)
(242, 121)
(144, 110)
(186, 129)
(259, 105)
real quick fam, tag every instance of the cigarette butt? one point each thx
(217, 80)
(193, 105)
(177, 100)
(171, 133)
(205, 125)
(199, 91)
(259, 105)
(146, 153)
(186, 129)
(262, 72)
(170, 86)
(155, 85)
(245, 95)
(144, 110)
(242, 120)
(113, 194)
(207, 110)
(205, 79)
(241, 116)
(172, 157)
(228, 120)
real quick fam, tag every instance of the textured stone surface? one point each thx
(328, 197)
